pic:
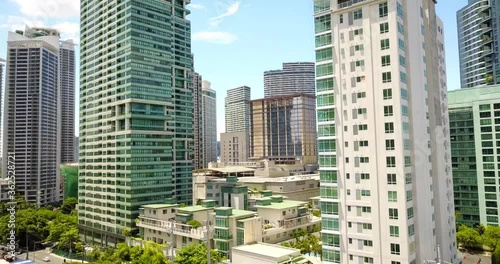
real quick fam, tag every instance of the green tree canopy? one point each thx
(468, 237)
(69, 205)
(491, 236)
(195, 224)
(495, 257)
(197, 254)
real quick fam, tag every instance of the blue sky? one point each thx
(234, 41)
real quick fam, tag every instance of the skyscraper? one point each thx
(283, 128)
(384, 154)
(478, 25)
(294, 78)
(473, 121)
(136, 112)
(1, 103)
(67, 94)
(31, 113)
(197, 122)
(209, 124)
(238, 109)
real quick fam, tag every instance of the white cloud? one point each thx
(215, 37)
(49, 8)
(230, 11)
(68, 30)
(196, 6)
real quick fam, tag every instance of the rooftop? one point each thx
(239, 213)
(231, 169)
(195, 208)
(283, 205)
(157, 206)
(270, 250)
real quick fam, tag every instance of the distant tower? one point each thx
(198, 153)
(294, 78)
(209, 124)
(238, 109)
(67, 94)
(31, 113)
(1, 103)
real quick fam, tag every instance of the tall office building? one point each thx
(67, 93)
(474, 119)
(209, 124)
(136, 112)
(478, 25)
(386, 188)
(31, 113)
(294, 78)
(238, 109)
(197, 122)
(283, 128)
(2, 61)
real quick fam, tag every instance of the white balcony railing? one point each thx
(176, 228)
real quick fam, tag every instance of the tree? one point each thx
(69, 205)
(126, 232)
(69, 237)
(197, 254)
(480, 229)
(317, 213)
(495, 257)
(195, 224)
(468, 237)
(491, 237)
(152, 254)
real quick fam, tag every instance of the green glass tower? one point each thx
(136, 121)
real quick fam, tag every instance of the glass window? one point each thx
(388, 110)
(321, 6)
(329, 192)
(384, 44)
(386, 60)
(328, 145)
(389, 128)
(330, 208)
(391, 162)
(323, 40)
(322, 23)
(325, 100)
(328, 176)
(326, 130)
(324, 69)
(391, 179)
(400, 10)
(326, 115)
(395, 249)
(409, 196)
(410, 212)
(401, 44)
(402, 60)
(390, 144)
(401, 28)
(411, 230)
(358, 14)
(324, 85)
(393, 196)
(324, 54)
(386, 77)
(394, 231)
(384, 27)
(328, 160)
(393, 213)
(383, 9)
(330, 240)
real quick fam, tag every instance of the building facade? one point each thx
(284, 128)
(386, 189)
(209, 130)
(478, 27)
(197, 121)
(294, 78)
(234, 147)
(238, 109)
(473, 121)
(67, 93)
(31, 114)
(2, 61)
(136, 112)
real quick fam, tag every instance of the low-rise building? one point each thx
(264, 253)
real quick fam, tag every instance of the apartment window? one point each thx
(404, 110)
(401, 28)
(410, 212)
(363, 143)
(322, 23)
(411, 230)
(391, 162)
(389, 128)
(361, 111)
(360, 78)
(323, 70)
(325, 100)
(361, 95)
(402, 60)
(389, 144)
(329, 192)
(326, 115)
(364, 159)
(403, 77)
(400, 10)
(359, 47)
(395, 250)
(395, 262)
(409, 196)
(367, 243)
(386, 60)
(387, 93)
(323, 40)
(360, 63)
(391, 179)
(394, 231)
(388, 110)
(404, 93)
(383, 10)
(408, 179)
(407, 161)
(392, 196)
(386, 77)
(393, 213)
(324, 54)
(358, 32)
(365, 176)
(358, 14)
(407, 144)
(384, 44)
(365, 193)
(362, 127)
(366, 209)
(401, 44)
(367, 226)
(368, 260)
(384, 27)
(341, 17)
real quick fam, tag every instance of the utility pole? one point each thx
(439, 254)
(209, 261)
(172, 240)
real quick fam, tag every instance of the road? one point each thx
(472, 259)
(38, 256)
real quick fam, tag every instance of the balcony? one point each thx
(290, 224)
(345, 4)
(176, 228)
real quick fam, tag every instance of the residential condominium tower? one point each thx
(2, 61)
(209, 124)
(238, 109)
(197, 122)
(136, 112)
(474, 119)
(67, 94)
(31, 114)
(478, 25)
(384, 155)
(294, 78)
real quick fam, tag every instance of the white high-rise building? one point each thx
(1, 101)
(238, 109)
(209, 128)
(384, 153)
(67, 92)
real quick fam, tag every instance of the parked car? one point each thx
(46, 259)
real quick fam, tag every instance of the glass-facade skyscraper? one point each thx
(136, 112)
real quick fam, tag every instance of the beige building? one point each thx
(284, 129)
(234, 147)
